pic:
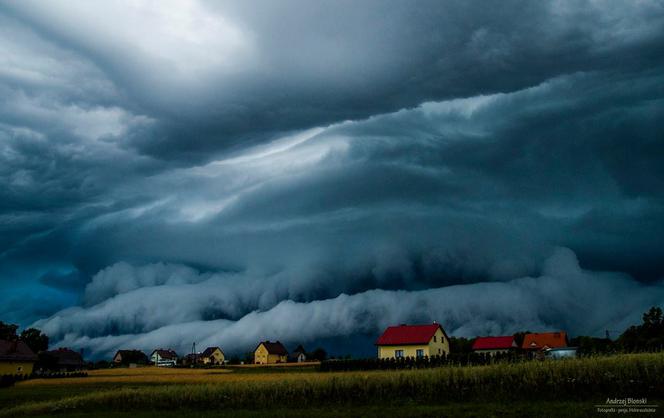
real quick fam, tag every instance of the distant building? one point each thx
(544, 340)
(212, 355)
(494, 345)
(191, 359)
(270, 352)
(413, 341)
(128, 357)
(16, 357)
(298, 355)
(164, 358)
(62, 359)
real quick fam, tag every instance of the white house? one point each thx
(164, 358)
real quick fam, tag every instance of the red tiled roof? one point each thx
(544, 340)
(408, 334)
(16, 351)
(493, 343)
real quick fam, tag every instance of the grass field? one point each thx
(549, 388)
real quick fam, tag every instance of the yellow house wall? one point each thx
(216, 357)
(387, 351)
(12, 367)
(261, 356)
(438, 347)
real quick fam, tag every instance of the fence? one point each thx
(454, 359)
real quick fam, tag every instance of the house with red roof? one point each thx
(494, 345)
(544, 341)
(413, 341)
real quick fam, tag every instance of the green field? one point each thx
(549, 388)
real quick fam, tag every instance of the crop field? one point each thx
(568, 387)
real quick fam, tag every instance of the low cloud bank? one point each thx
(563, 297)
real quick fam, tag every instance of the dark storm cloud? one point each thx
(298, 157)
(220, 73)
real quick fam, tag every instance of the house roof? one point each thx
(16, 351)
(209, 351)
(408, 334)
(66, 357)
(131, 355)
(274, 348)
(544, 340)
(165, 354)
(299, 349)
(493, 343)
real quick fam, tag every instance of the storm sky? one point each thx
(228, 172)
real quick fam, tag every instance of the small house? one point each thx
(298, 355)
(212, 355)
(164, 358)
(270, 352)
(544, 340)
(191, 359)
(16, 357)
(62, 359)
(413, 341)
(129, 357)
(494, 345)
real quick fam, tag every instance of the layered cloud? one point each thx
(564, 296)
(308, 157)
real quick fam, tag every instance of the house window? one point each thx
(398, 353)
(434, 338)
(19, 369)
(419, 353)
(439, 351)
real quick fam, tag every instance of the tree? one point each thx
(7, 331)
(461, 345)
(653, 317)
(319, 354)
(35, 339)
(647, 336)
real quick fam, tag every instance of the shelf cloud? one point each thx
(187, 172)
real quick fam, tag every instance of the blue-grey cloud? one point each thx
(287, 157)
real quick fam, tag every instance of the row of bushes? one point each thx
(58, 375)
(452, 359)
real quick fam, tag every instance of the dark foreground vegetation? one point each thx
(583, 381)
